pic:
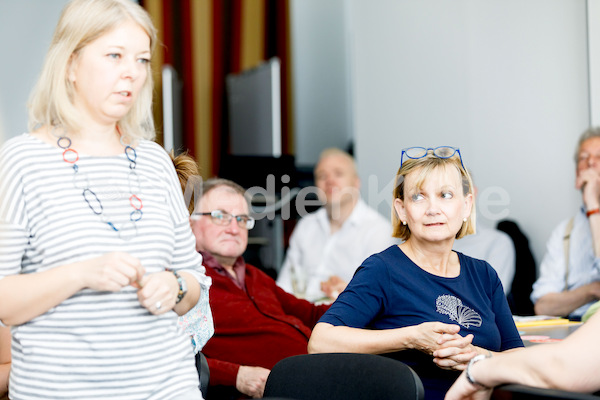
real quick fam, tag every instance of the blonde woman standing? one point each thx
(97, 257)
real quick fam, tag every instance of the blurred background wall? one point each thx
(511, 82)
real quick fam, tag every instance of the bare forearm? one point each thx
(564, 303)
(27, 296)
(327, 338)
(539, 367)
(594, 221)
(4, 372)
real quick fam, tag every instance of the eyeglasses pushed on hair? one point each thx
(440, 152)
(223, 218)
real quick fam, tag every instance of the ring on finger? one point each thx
(158, 305)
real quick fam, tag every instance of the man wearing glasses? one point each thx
(569, 281)
(256, 323)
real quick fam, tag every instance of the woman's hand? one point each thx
(112, 272)
(588, 181)
(463, 390)
(454, 352)
(158, 292)
(428, 335)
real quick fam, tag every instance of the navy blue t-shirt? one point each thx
(390, 291)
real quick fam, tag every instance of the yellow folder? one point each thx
(543, 322)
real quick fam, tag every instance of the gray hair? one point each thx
(589, 133)
(215, 183)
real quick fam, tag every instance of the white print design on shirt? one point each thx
(453, 307)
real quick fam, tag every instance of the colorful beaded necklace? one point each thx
(81, 181)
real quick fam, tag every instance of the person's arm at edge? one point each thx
(568, 365)
(563, 303)
(588, 182)
(226, 373)
(222, 372)
(5, 359)
(328, 338)
(26, 296)
(548, 288)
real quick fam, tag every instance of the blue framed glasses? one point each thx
(223, 218)
(440, 152)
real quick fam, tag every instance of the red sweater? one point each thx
(256, 327)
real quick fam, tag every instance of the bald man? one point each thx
(328, 245)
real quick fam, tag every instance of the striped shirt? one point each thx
(95, 345)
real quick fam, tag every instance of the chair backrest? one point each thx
(343, 376)
(203, 373)
(525, 271)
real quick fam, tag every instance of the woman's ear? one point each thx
(468, 205)
(71, 66)
(400, 210)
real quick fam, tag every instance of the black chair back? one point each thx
(525, 272)
(343, 376)
(203, 373)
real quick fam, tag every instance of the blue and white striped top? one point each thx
(95, 345)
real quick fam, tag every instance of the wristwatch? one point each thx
(470, 378)
(182, 286)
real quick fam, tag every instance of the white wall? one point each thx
(321, 78)
(593, 21)
(504, 80)
(26, 28)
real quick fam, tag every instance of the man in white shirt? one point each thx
(327, 246)
(493, 246)
(569, 283)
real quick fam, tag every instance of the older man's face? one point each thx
(224, 242)
(589, 155)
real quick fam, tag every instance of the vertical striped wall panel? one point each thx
(201, 57)
(252, 31)
(154, 8)
(204, 40)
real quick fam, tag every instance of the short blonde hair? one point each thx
(424, 166)
(81, 22)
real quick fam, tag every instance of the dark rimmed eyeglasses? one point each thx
(223, 218)
(440, 152)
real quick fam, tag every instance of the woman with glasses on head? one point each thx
(434, 308)
(97, 259)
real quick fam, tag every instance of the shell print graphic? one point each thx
(453, 307)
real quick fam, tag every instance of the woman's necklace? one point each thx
(81, 181)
